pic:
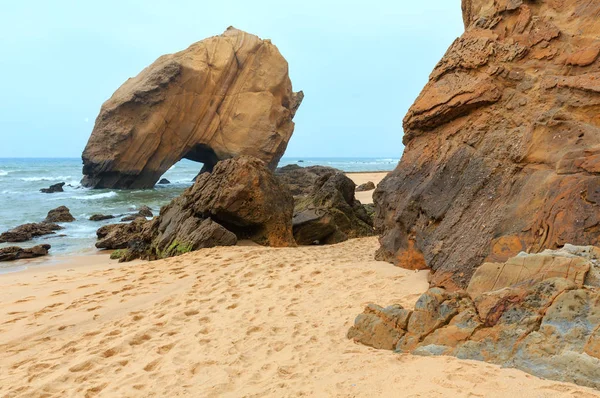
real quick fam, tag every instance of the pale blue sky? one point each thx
(361, 64)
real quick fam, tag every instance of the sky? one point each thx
(361, 64)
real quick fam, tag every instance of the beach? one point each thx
(243, 321)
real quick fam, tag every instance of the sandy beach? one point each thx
(361, 178)
(243, 321)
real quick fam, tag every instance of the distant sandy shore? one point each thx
(361, 178)
(241, 321)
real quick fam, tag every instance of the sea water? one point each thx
(22, 202)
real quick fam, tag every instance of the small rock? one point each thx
(368, 186)
(60, 214)
(29, 231)
(164, 181)
(101, 217)
(16, 253)
(54, 188)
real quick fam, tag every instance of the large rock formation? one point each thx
(240, 199)
(502, 145)
(225, 96)
(545, 323)
(326, 210)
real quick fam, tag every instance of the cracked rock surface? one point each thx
(502, 145)
(223, 97)
(549, 327)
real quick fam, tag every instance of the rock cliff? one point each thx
(225, 96)
(502, 145)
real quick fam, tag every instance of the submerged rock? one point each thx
(60, 214)
(101, 217)
(533, 313)
(54, 188)
(13, 253)
(164, 181)
(223, 97)
(502, 145)
(26, 232)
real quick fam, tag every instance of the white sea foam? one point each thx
(57, 178)
(3, 173)
(105, 195)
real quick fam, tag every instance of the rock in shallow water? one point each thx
(101, 217)
(502, 145)
(225, 96)
(26, 232)
(13, 253)
(54, 188)
(60, 214)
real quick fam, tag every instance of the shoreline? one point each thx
(229, 321)
(74, 258)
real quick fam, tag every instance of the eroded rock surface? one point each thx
(26, 232)
(326, 210)
(13, 253)
(367, 186)
(502, 145)
(225, 96)
(547, 326)
(240, 199)
(60, 214)
(54, 188)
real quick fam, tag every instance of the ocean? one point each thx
(22, 202)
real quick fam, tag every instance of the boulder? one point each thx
(144, 212)
(164, 181)
(326, 210)
(242, 195)
(118, 236)
(54, 188)
(13, 253)
(538, 316)
(223, 97)
(101, 217)
(367, 186)
(240, 199)
(26, 232)
(60, 214)
(301, 180)
(502, 145)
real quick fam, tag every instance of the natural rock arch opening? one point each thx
(221, 98)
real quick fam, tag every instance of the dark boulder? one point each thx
(368, 186)
(164, 181)
(54, 188)
(26, 232)
(60, 214)
(101, 217)
(240, 199)
(13, 253)
(242, 195)
(144, 212)
(326, 210)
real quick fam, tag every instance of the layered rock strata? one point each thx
(502, 145)
(535, 313)
(223, 97)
